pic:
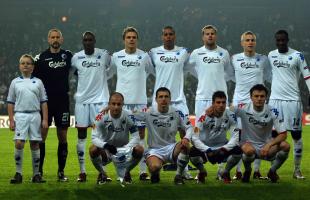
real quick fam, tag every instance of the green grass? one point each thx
(287, 188)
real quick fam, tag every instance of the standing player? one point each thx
(211, 142)
(212, 66)
(170, 62)
(163, 122)
(287, 66)
(92, 91)
(110, 136)
(26, 97)
(132, 65)
(52, 67)
(250, 68)
(257, 121)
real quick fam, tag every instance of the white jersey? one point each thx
(286, 70)
(115, 131)
(163, 127)
(257, 126)
(26, 94)
(212, 68)
(213, 132)
(249, 71)
(92, 76)
(169, 68)
(132, 72)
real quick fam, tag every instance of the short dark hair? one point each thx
(168, 27)
(218, 94)
(162, 89)
(259, 87)
(88, 33)
(281, 32)
(116, 94)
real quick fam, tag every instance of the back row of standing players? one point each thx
(210, 63)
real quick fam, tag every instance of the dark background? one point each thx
(24, 26)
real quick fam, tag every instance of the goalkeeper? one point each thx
(212, 144)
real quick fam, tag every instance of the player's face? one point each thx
(248, 43)
(89, 43)
(163, 101)
(131, 40)
(55, 40)
(258, 98)
(282, 43)
(26, 66)
(115, 105)
(209, 37)
(219, 105)
(168, 38)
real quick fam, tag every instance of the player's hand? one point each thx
(12, 125)
(264, 151)
(44, 124)
(210, 111)
(111, 148)
(185, 142)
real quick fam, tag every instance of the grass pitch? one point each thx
(287, 188)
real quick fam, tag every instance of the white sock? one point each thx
(256, 164)
(35, 161)
(182, 161)
(19, 157)
(142, 163)
(80, 148)
(298, 146)
(239, 165)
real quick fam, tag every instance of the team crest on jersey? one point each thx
(258, 59)
(64, 56)
(178, 53)
(167, 59)
(290, 58)
(221, 54)
(129, 63)
(139, 57)
(301, 56)
(99, 57)
(211, 60)
(33, 81)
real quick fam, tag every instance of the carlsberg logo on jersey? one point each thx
(211, 60)
(248, 65)
(88, 64)
(279, 64)
(166, 59)
(257, 122)
(159, 123)
(129, 63)
(53, 64)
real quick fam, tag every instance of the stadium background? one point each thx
(24, 26)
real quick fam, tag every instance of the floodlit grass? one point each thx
(287, 188)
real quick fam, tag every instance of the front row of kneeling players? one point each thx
(111, 141)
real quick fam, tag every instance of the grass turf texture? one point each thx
(287, 188)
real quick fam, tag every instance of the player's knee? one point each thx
(82, 133)
(138, 152)
(93, 151)
(284, 146)
(34, 145)
(296, 135)
(247, 149)
(154, 166)
(19, 144)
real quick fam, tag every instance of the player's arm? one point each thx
(44, 115)
(186, 126)
(191, 64)
(134, 133)
(11, 115)
(96, 135)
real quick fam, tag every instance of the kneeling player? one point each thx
(212, 143)
(257, 121)
(163, 122)
(110, 138)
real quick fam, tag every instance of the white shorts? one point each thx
(290, 111)
(133, 108)
(85, 114)
(258, 148)
(28, 126)
(164, 153)
(200, 108)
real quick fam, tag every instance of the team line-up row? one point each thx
(47, 78)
